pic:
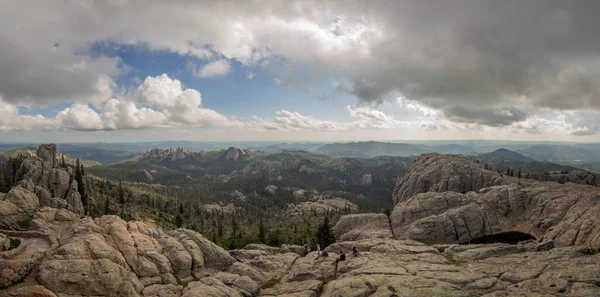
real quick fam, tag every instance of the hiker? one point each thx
(354, 251)
(318, 251)
(324, 253)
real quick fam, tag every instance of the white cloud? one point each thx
(366, 119)
(80, 117)
(158, 102)
(250, 75)
(215, 69)
(123, 114)
(10, 119)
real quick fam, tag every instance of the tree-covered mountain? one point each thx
(371, 149)
(503, 159)
(559, 153)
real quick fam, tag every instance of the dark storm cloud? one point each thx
(484, 116)
(488, 53)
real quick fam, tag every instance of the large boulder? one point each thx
(18, 206)
(88, 277)
(441, 173)
(141, 252)
(58, 182)
(74, 199)
(30, 291)
(4, 242)
(11, 215)
(209, 286)
(264, 268)
(362, 226)
(169, 290)
(214, 256)
(180, 258)
(305, 288)
(24, 199)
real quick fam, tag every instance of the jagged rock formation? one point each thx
(271, 189)
(170, 154)
(234, 154)
(40, 182)
(273, 169)
(362, 226)
(216, 208)
(108, 256)
(440, 173)
(435, 214)
(148, 175)
(47, 152)
(321, 207)
(180, 153)
(237, 195)
(367, 180)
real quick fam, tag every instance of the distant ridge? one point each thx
(503, 159)
(371, 149)
(511, 155)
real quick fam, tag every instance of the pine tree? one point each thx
(274, 238)
(121, 194)
(77, 169)
(325, 233)
(261, 232)
(519, 174)
(235, 234)
(508, 171)
(178, 221)
(79, 173)
(106, 206)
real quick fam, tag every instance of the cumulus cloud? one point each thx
(158, 102)
(215, 69)
(80, 117)
(11, 119)
(365, 118)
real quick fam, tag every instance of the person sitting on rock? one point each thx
(354, 251)
(589, 249)
(341, 258)
(324, 254)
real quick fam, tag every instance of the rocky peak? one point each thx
(170, 154)
(439, 173)
(47, 152)
(234, 154)
(40, 181)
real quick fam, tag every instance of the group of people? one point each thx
(342, 257)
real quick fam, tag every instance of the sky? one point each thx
(125, 70)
